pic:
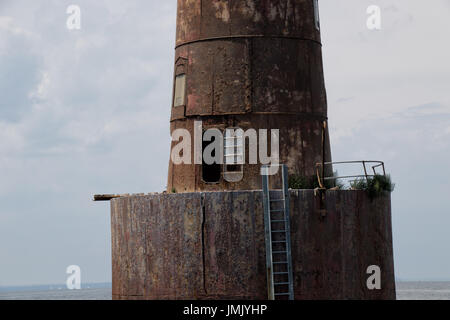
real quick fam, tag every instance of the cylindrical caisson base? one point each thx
(210, 245)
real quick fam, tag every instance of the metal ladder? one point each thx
(280, 283)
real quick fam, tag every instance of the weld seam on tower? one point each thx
(302, 115)
(246, 36)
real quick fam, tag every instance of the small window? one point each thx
(316, 14)
(180, 90)
(234, 155)
(234, 147)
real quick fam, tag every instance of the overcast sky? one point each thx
(86, 112)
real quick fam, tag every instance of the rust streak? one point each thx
(203, 243)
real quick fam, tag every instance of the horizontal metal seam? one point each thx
(303, 115)
(249, 36)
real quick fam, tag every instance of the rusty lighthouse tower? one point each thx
(252, 65)
(217, 232)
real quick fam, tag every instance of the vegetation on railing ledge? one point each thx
(375, 186)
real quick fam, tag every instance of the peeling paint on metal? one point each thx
(211, 245)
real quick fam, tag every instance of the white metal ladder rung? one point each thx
(279, 273)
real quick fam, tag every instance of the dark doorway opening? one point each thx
(210, 172)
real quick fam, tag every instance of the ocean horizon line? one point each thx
(51, 287)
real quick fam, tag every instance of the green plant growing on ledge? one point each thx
(301, 182)
(375, 186)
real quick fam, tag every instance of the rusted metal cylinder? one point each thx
(254, 64)
(210, 245)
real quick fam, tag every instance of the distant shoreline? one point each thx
(406, 290)
(108, 285)
(54, 287)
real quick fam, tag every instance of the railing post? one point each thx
(365, 170)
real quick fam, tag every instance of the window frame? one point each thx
(180, 69)
(316, 14)
(182, 90)
(234, 176)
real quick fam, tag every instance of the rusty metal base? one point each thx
(211, 245)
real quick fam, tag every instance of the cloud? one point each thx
(399, 112)
(81, 113)
(20, 70)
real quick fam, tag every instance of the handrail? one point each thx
(363, 162)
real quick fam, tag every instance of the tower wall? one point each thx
(253, 64)
(250, 64)
(210, 245)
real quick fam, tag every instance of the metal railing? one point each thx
(373, 164)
